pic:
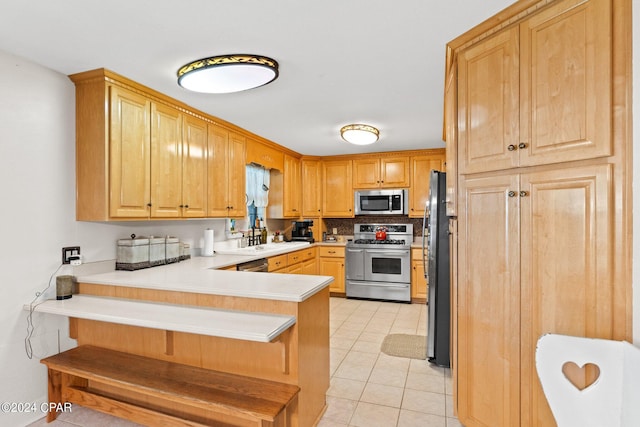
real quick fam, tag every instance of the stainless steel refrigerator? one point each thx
(435, 255)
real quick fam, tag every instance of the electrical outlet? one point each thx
(69, 252)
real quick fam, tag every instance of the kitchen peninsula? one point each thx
(299, 355)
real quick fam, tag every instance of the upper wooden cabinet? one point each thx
(384, 172)
(226, 173)
(450, 133)
(311, 188)
(337, 188)
(285, 188)
(178, 164)
(113, 165)
(194, 167)
(292, 187)
(147, 156)
(421, 167)
(264, 155)
(139, 158)
(539, 92)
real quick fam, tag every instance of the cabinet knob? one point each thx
(523, 194)
(511, 194)
(522, 145)
(181, 206)
(149, 204)
(186, 206)
(512, 147)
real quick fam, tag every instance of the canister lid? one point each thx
(172, 239)
(134, 241)
(153, 240)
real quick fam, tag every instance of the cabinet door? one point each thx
(217, 171)
(337, 190)
(366, 173)
(129, 154)
(236, 190)
(194, 168)
(566, 83)
(311, 189)
(488, 104)
(333, 267)
(394, 172)
(310, 266)
(566, 267)
(421, 167)
(166, 162)
(291, 193)
(418, 281)
(488, 315)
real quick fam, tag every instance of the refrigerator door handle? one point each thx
(425, 227)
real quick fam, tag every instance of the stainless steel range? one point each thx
(378, 262)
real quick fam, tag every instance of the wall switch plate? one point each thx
(70, 252)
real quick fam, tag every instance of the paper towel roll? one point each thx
(208, 243)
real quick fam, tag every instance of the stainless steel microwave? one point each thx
(381, 202)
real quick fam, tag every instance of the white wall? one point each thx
(37, 213)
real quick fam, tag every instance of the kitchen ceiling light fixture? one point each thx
(228, 73)
(359, 134)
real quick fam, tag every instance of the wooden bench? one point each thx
(157, 392)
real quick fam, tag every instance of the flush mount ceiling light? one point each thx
(359, 134)
(228, 73)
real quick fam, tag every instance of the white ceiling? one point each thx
(379, 62)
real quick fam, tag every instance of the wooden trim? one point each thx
(509, 16)
(622, 127)
(384, 154)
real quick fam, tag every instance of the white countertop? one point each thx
(199, 275)
(262, 327)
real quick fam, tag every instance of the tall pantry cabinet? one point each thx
(538, 116)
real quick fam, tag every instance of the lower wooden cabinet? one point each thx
(298, 262)
(277, 264)
(331, 263)
(535, 256)
(418, 281)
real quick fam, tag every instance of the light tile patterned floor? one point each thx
(368, 388)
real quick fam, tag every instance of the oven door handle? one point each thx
(354, 250)
(394, 253)
(379, 284)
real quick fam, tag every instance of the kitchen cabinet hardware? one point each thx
(511, 194)
(511, 147)
(522, 145)
(523, 194)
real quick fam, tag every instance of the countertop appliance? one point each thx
(381, 202)
(435, 255)
(379, 268)
(301, 231)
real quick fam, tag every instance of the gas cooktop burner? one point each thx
(379, 242)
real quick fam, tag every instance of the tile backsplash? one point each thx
(345, 225)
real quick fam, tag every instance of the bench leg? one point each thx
(54, 392)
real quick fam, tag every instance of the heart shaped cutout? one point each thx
(581, 377)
